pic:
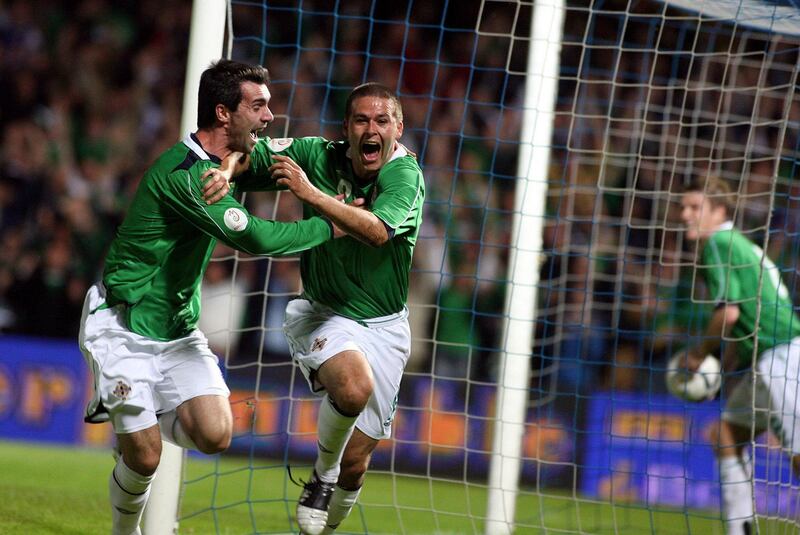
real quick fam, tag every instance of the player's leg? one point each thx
(347, 378)
(355, 463)
(780, 368)
(325, 347)
(208, 422)
(735, 470)
(194, 397)
(125, 375)
(129, 482)
(745, 416)
(342, 357)
(387, 350)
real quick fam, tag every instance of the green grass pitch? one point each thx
(58, 490)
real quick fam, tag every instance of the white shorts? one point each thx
(315, 334)
(136, 377)
(772, 404)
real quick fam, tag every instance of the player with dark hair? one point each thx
(349, 330)
(755, 320)
(154, 374)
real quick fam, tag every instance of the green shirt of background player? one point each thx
(154, 374)
(755, 315)
(349, 330)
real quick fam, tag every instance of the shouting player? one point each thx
(154, 374)
(349, 330)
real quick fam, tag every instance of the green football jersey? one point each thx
(354, 279)
(156, 262)
(732, 267)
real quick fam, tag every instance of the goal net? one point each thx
(646, 95)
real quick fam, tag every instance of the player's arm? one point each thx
(724, 286)
(719, 327)
(229, 221)
(251, 172)
(358, 223)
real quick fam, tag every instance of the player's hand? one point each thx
(287, 173)
(358, 203)
(693, 360)
(215, 185)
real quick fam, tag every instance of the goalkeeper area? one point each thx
(552, 279)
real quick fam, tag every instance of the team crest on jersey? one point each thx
(235, 219)
(318, 344)
(345, 188)
(279, 144)
(122, 390)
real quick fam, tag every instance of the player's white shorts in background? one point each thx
(774, 398)
(136, 377)
(315, 334)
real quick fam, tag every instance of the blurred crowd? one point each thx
(90, 94)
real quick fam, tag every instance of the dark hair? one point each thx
(373, 89)
(221, 83)
(715, 189)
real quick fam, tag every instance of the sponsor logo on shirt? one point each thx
(235, 219)
(279, 143)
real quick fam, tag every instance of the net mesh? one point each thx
(650, 96)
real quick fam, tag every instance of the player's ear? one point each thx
(345, 124)
(222, 113)
(399, 129)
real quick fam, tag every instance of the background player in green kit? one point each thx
(138, 331)
(349, 330)
(755, 312)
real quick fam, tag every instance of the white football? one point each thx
(694, 386)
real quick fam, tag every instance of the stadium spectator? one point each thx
(349, 329)
(155, 375)
(754, 314)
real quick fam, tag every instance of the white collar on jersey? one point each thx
(399, 152)
(195, 147)
(727, 225)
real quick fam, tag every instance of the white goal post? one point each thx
(523, 269)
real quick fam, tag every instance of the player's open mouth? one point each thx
(371, 151)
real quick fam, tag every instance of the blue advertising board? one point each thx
(43, 389)
(637, 448)
(441, 425)
(656, 450)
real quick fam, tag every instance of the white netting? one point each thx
(650, 95)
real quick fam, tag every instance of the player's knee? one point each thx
(143, 461)
(354, 398)
(214, 441)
